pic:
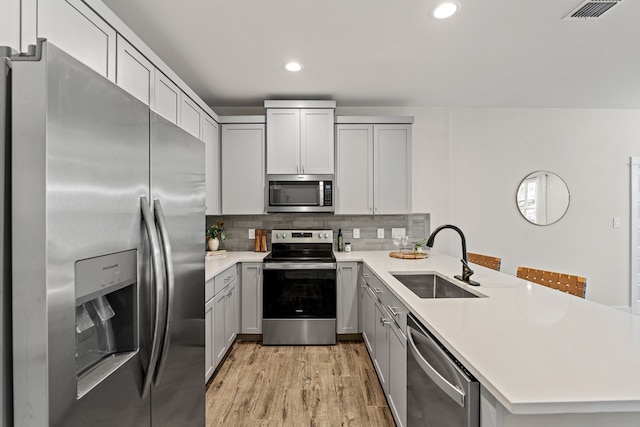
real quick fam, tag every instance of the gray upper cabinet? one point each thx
(191, 115)
(211, 138)
(134, 72)
(242, 166)
(167, 98)
(373, 165)
(392, 169)
(75, 28)
(300, 140)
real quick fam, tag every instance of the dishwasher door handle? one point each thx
(451, 390)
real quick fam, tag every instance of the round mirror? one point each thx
(542, 198)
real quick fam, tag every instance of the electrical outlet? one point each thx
(356, 233)
(380, 233)
(252, 233)
(616, 222)
(398, 232)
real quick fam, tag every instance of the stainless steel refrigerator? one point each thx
(105, 214)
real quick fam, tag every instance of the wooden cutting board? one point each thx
(408, 255)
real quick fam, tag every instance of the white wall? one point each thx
(493, 149)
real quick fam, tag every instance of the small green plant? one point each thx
(419, 244)
(216, 231)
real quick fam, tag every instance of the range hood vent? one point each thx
(591, 9)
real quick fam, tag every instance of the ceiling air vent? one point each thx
(592, 9)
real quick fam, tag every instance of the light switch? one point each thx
(356, 233)
(252, 233)
(380, 233)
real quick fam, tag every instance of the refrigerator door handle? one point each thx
(170, 284)
(158, 276)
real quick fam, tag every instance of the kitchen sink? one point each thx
(432, 285)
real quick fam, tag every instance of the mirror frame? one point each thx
(536, 173)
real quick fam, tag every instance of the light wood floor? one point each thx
(297, 386)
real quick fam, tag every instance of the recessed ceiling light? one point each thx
(293, 66)
(446, 9)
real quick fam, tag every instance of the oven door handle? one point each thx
(299, 266)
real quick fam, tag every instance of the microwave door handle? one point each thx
(321, 196)
(170, 286)
(449, 389)
(158, 290)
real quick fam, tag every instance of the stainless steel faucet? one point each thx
(466, 270)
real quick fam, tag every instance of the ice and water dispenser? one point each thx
(106, 316)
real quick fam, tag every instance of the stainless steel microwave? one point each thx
(299, 193)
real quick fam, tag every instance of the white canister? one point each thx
(347, 247)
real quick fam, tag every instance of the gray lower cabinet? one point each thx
(251, 298)
(397, 387)
(367, 315)
(209, 365)
(225, 321)
(347, 298)
(381, 320)
(221, 315)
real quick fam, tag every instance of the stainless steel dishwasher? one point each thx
(440, 391)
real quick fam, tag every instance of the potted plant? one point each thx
(215, 234)
(419, 245)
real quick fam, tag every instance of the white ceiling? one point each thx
(493, 53)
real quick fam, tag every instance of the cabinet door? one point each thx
(392, 169)
(209, 356)
(251, 297)
(369, 327)
(397, 395)
(166, 101)
(190, 115)
(75, 28)
(381, 361)
(219, 338)
(134, 72)
(211, 138)
(231, 315)
(347, 302)
(354, 169)
(242, 169)
(283, 141)
(317, 141)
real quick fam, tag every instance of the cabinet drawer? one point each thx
(376, 285)
(223, 279)
(208, 290)
(396, 309)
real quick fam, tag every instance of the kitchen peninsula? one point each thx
(542, 357)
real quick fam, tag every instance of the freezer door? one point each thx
(177, 185)
(80, 164)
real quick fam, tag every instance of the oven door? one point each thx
(299, 303)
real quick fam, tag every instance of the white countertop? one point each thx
(537, 350)
(218, 263)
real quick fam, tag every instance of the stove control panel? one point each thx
(302, 236)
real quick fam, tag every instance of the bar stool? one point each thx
(484, 260)
(574, 285)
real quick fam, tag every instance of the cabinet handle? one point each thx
(384, 321)
(394, 311)
(378, 291)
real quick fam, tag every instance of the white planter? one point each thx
(213, 244)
